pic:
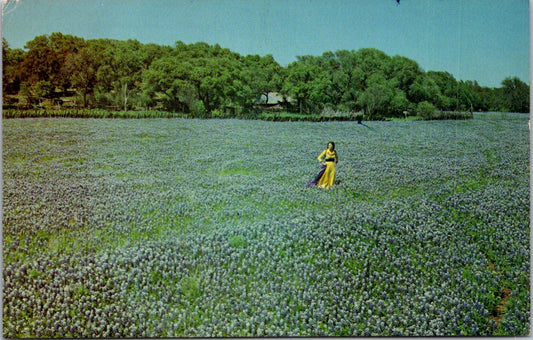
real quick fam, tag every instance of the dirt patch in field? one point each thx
(499, 310)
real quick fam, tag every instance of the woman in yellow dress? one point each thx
(330, 159)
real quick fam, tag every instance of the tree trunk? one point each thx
(125, 92)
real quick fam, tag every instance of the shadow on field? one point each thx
(368, 127)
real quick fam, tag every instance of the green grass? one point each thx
(237, 171)
(190, 288)
(238, 241)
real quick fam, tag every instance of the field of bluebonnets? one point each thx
(182, 227)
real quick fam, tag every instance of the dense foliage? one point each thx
(186, 227)
(268, 116)
(199, 79)
(88, 113)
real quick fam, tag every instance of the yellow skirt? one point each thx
(328, 178)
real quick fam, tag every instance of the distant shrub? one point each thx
(452, 115)
(425, 109)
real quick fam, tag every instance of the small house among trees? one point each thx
(275, 101)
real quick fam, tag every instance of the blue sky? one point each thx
(483, 40)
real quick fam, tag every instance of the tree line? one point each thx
(199, 79)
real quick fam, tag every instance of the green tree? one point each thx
(329, 87)
(516, 94)
(424, 88)
(356, 72)
(448, 86)
(82, 68)
(465, 98)
(299, 83)
(40, 64)
(370, 61)
(46, 56)
(25, 92)
(63, 45)
(196, 78)
(43, 89)
(376, 98)
(260, 77)
(479, 96)
(120, 74)
(11, 72)
(399, 104)
(348, 81)
(405, 71)
(166, 83)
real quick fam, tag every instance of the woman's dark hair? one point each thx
(332, 143)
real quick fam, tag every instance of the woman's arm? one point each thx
(321, 155)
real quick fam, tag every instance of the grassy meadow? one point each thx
(191, 227)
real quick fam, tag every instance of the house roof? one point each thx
(274, 98)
